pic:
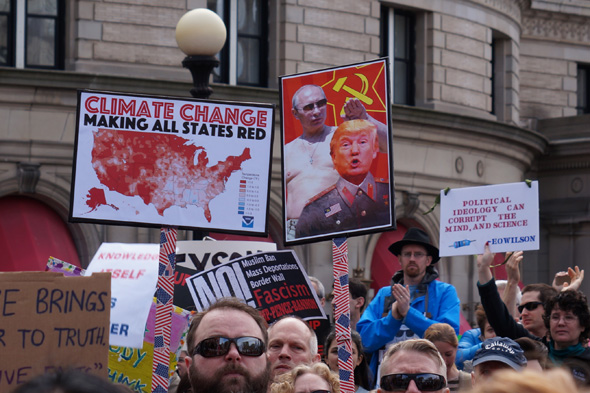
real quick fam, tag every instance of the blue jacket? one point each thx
(469, 344)
(377, 330)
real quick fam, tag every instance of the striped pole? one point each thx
(164, 308)
(342, 314)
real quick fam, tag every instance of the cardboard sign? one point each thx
(134, 269)
(161, 161)
(50, 321)
(196, 256)
(330, 187)
(505, 215)
(275, 283)
(133, 366)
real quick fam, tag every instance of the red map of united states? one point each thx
(158, 168)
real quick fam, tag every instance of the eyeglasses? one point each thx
(219, 346)
(530, 306)
(309, 107)
(417, 255)
(567, 318)
(426, 382)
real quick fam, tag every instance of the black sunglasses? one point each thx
(219, 346)
(529, 306)
(309, 107)
(426, 382)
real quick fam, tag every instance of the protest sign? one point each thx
(133, 367)
(196, 256)
(50, 322)
(162, 161)
(275, 283)
(330, 187)
(134, 273)
(505, 215)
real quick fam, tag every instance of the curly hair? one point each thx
(285, 383)
(574, 301)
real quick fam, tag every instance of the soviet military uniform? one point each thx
(344, 207)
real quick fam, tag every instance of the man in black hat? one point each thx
(414, 300)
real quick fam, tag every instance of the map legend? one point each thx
(248, 197)
(242, 197)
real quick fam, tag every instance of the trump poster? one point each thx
(337, 153)
(162, 161)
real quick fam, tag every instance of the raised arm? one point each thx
(513, 272)
(354, 109)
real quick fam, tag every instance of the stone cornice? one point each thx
(556, 27)
(67, 81)
(510, 8)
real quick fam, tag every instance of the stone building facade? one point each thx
(485, 92)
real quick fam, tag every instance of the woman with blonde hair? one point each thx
(307, 379)
(443, 336)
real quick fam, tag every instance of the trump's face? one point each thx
(353, 154)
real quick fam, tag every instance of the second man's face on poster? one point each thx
(353, 155)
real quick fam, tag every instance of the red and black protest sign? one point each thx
(273, 282)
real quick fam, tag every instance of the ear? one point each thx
(295, 113)
(429, 258)
(360, 302)
(316, 358)
(188, 360)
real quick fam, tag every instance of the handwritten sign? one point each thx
(134, 272)
(196, 256)
(273, 282)
(50, 321)
(505, 215)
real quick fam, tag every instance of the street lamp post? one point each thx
(200, 34)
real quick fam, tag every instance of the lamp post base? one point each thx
(200, 68)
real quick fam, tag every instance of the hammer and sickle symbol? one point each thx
(339, 85)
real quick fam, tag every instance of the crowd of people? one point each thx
(534, 340)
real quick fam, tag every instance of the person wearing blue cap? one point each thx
(414, 300)
(495, 354)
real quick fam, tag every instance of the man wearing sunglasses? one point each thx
(413, 366)
(308, 165)
(531, 307)
(227, 347)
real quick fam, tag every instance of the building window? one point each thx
(397, 43)
(583, 105)
(32, 33)
(244, 57)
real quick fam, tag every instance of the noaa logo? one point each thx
(247, 222)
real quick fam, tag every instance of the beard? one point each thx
(216, 383)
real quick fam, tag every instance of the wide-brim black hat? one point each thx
(415, 236)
